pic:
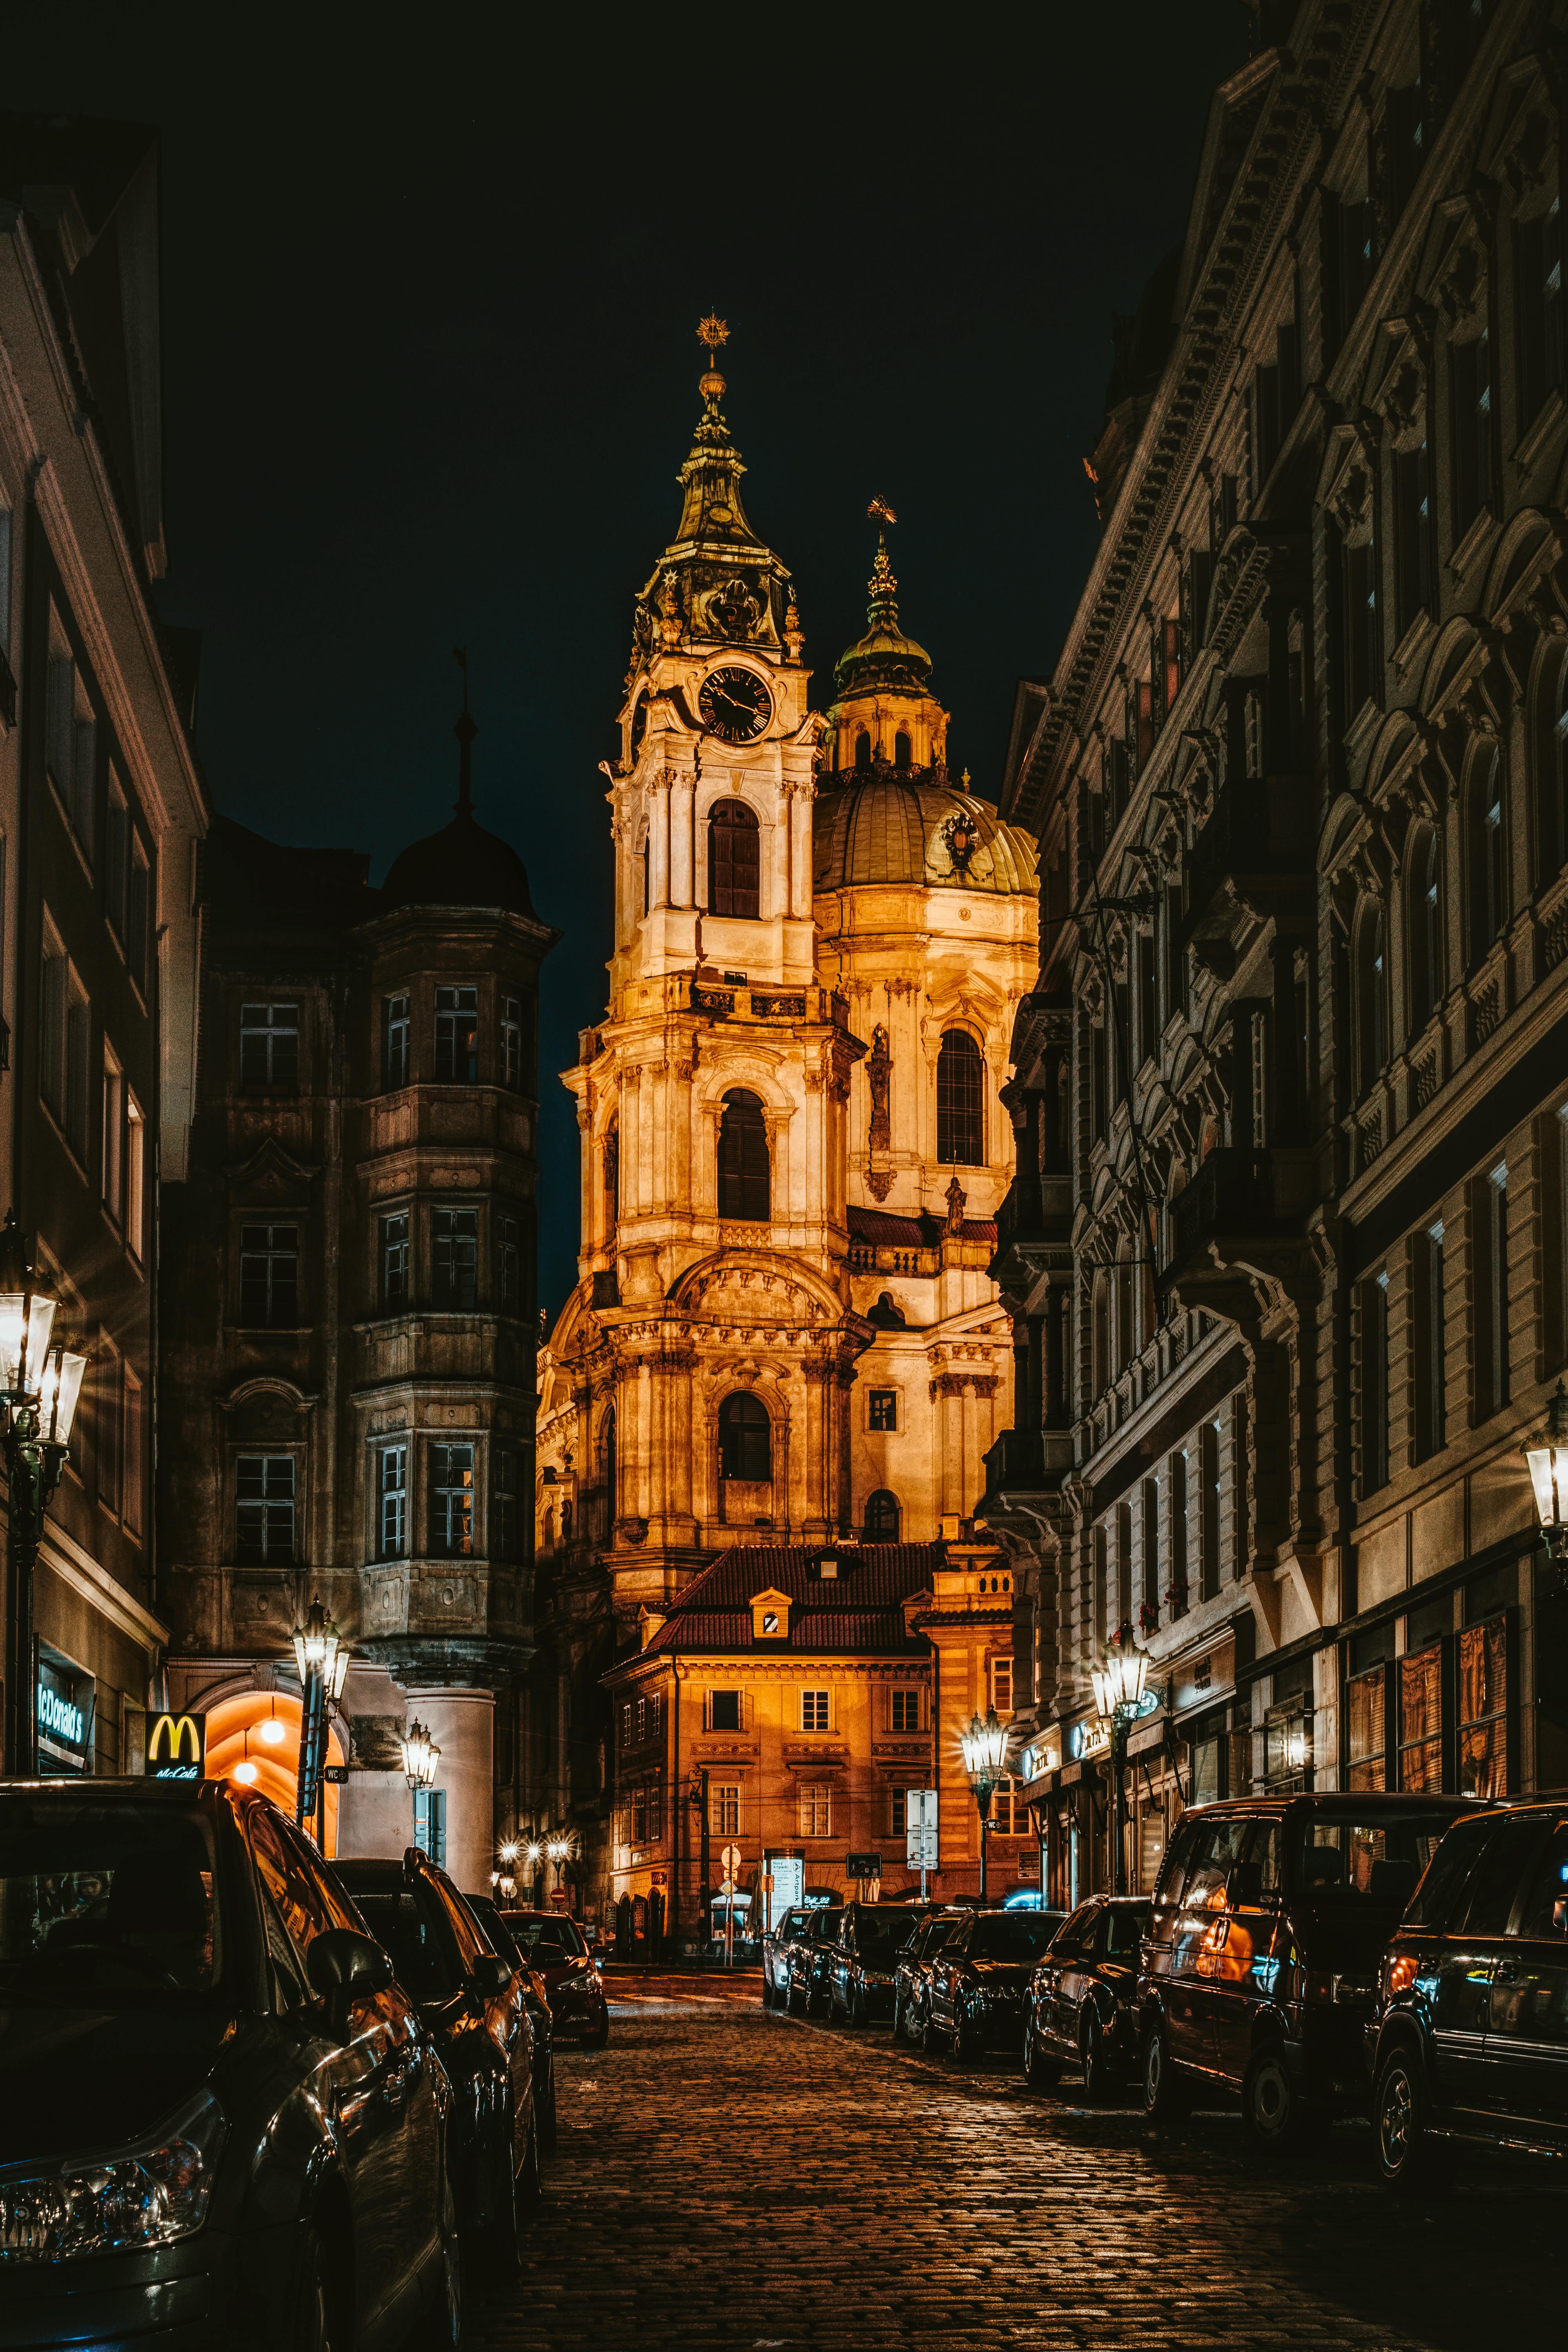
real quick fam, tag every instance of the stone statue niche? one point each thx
(879, 1071)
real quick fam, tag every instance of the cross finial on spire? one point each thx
(713, 332)
(465, 731)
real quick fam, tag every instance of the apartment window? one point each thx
(899, 1812)
(457, 1239)
(269, 1047)
(1538, 247)
(396, 1030)
(1364, 644)
(130, 1478)
(1355, 260)
(136, 918)
(735, 860)
(503, 1502)
(117, 858)
(1425, 929)
(135, 1176)
(109, 1409)
(743, 1175)
(452, 1500)
(1009, 1811)
(816, 1810)
(511, 1043)
(1429, 1339)
(264, 1511)
(813, 1710)
(270, 1277)
(456, 1036)
(1371, 995)
(508, 1265)
(430, 1824)
(1148, 998)
(1375, 1383)
(884, 1409)
(1001, 1686)
(906, 1714)
(1208, 1528)
(1414, 561)
(1483, 1710)
(639, 1810)
(113, 1168)
(1487, 849)
(391, 1526)
(394, 1258)
(959, 1103)
(72, 744)
(1405, 145)
(1472, 387)
(1421, 1719)
(1490, 1209)
(1152, 1534)
(724, 1710)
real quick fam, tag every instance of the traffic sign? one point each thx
(730, 1858)
(919, 1831)
(728, 1887)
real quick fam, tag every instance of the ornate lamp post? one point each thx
(316, 1651)
(39, 1392)
(984, 1748)
(1118, 1692)
(506, 1879)
(420, 1756)
(1547, 1456)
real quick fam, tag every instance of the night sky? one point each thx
(431, 283)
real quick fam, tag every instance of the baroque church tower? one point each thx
(793, 1130)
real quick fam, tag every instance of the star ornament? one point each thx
(713, 332)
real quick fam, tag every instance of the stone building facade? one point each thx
(1294, 1058)
(784, 1332)
(349, 1321)
(103, 809)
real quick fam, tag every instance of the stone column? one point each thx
(462, 1724)
(658, 853)
(679, 798)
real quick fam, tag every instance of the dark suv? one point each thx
(779, 1942)
(1471, 2034)
(806, 1984)
(1265, 1931)
(1083, 2006)
(859, 1968)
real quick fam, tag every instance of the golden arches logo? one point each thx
(169, 1734)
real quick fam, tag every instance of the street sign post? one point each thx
(919, 1831)
(730, 1861)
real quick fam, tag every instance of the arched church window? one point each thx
(960, 1106)
(743, 1156)
(862, 750)
(646, 877)
(734, 863)
(745, 1440)
(904, 750)
(882, 1517)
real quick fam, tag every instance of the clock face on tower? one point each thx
(735, 705)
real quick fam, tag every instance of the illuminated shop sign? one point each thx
(62, 1708)
(176, 1745)
(1092, 1737)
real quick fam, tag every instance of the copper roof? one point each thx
(859, 1614)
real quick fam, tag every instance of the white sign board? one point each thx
(789, 1884)
(920, 1829)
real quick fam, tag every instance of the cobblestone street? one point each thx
(728, 2177)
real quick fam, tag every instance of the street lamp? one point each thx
(1547, 1456)
(317, 1652)
(985, 1747)
(39, 1392)
(507, 1875)
(1119, 1694)
(420, 1756)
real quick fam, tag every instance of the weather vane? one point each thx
(713, 332)
(881, 511)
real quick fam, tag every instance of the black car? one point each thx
(1470, 2041)
(221, 2119)
(536, 2000)
(471, 1998)
(979, 1978)
(805, 1988)
(911, 1977)
(859, 1966)
(1082, 2004)
(777, 1944)
(1259, 1972)
(552, 1945)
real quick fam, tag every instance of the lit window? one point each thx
(906, 1710)
(815, 1809)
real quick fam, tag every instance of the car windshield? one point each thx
(415, 1939)
(1125, 1930)
(1345, 1864)
(1011, 1936)
(881, 1932)
(543, 1941)
(106, 1901)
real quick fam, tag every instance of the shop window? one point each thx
(724, 1710)
(815, 1809)
(394, 1042)
(723, 1809)
(906, 1710)
(391, 1534)
(394, 1256)
(451, 1501)
(960, 1106)
(882, 1517)
(270, 1277)
(270, 1049)
(456, 1036)
(1483, 1710)
(743, 1171)
(1207, 1768)
(1421, 1719)
(1366, 1710)
(264, 1511)
(884, 1409)
(813, 1710)
(457, 1240)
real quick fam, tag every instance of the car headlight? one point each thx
(147, 2195)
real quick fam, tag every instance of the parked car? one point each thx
(911, 1977)
(471, 1999)
(190, 2009)
(1082, 2003)
(552, 1945)
(1268, 1922)
(806, 1986)
(860, 1965)
(778, 1942)
(1470, 2040)
(980, 1976)
(536, 1999)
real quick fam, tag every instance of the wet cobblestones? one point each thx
(729, 2179)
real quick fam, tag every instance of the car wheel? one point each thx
(1039, 2072)
(1401, 2110)
(317, 2328)
(1272, 2105)
(1166, 2096)
(1096, 2068)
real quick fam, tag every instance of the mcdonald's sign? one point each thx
(176, 1746)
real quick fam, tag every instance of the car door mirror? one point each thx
(345, 1968)
(492, 1975)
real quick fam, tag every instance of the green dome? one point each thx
(882, 825)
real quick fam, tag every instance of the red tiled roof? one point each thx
(885, 1230)
(866, 1616)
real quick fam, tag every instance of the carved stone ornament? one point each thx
(734, 611)
(879, 1071)
(957, 1199)
(879, 1182)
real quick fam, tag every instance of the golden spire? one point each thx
(713, 333)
